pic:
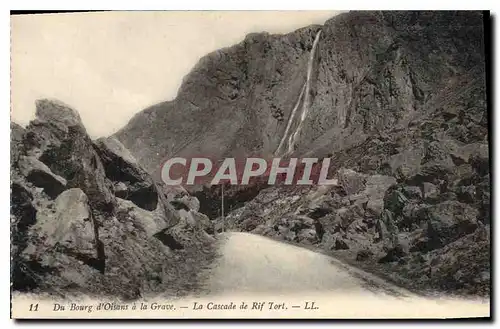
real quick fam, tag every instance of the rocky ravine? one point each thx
(87, 219)
(396, 99)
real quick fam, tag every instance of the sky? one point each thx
(110, 65)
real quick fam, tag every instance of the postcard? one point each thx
(250, 165)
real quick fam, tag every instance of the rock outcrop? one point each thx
(87, 219)
(385, 226)
(371, 72)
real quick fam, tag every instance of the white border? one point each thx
(253, 5)
(189, 5)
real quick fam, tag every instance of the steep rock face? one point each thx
(397, 100)
(75, 232)
(371, 71)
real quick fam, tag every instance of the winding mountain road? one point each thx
(252, 265)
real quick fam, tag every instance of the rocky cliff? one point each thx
(368, 72)
(396, 99)
(87, 219)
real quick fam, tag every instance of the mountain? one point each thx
(397, 100)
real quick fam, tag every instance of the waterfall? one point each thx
(304, 97)
(307, 94)
(290, 120)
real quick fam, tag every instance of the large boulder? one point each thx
(131, 181)
(483, 199)
(51, 126)
(37, 173)
(407, 163)
(150, 222)
(68, 151)
(70, 226)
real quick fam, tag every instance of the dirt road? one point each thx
(252, 265)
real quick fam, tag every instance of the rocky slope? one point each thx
(428, 233)
(396, 99)
(87, 219)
